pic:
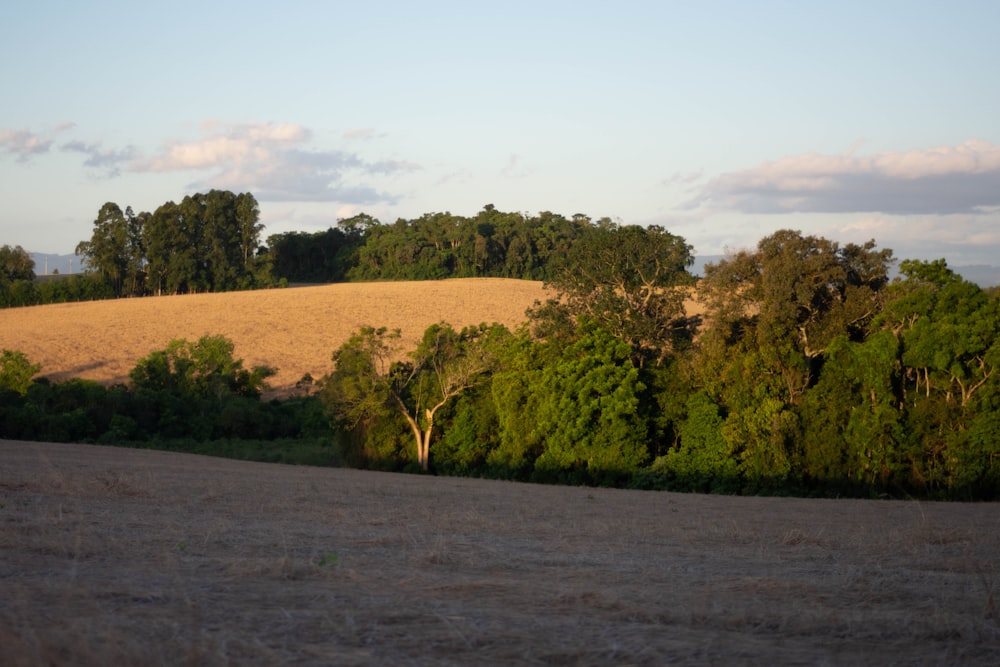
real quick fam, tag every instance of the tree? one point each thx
(628, 279)
(206, 242)
(16, 264)
(772, 314)
(325, 256)
(116, 249)
(16, 371)
(248, 224)
(135, 274)
(17, 276)
(791, 297)
(171, 247)
(950, 330)
(704, 461)
(203, 369)
(366, 380)
(573, 412)
(947, 332)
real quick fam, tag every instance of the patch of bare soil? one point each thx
(293, 330)
(124, 557)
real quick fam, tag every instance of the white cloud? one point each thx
(961, 238)
(23, 143)
(275, 162)
(941, 180)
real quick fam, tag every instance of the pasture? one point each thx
(130, 557)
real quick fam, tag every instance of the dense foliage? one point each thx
(208, 242)
(811, 374)
(190, 397)
(435, 245)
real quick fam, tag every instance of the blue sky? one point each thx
(722, 121)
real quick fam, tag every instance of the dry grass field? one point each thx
(126, 557)
(293, 330)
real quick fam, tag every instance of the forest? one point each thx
(810, 372)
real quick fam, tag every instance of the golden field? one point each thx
(294, 330)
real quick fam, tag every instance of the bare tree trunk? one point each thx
(417, 435)
(425, 451)
(421, 437)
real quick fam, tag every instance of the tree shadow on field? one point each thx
(77, 371)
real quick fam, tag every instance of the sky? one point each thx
(720, 121)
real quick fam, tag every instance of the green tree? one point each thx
(249, 229)
(115, 249)
(704, 461)
(792, 296)
(948, 333)
(17, 276)
(470, 434)
(135, 271)
(853, 427)
(515, 388)
(206, 242)
(447, 363)
(204, 369)
(171, 250)
(16, 371)
(772, 314)
(16, 264)
(628, 279)
(573, 411)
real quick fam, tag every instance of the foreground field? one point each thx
(294, 330)
(111, 556)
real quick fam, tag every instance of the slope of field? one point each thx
(294, 330)
(125, 557)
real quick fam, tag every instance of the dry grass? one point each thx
(294, 330)
(111, 556)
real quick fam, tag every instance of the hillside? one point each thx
(294, 330)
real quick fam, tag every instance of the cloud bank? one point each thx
(275, 161)
(935, 181)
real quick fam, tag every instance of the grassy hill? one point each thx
(294, 330)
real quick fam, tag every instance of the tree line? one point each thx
(212, 242)
(209, 242)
